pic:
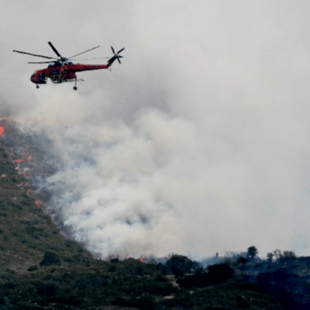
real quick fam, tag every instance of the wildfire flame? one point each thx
(2, 130)
(38, 202)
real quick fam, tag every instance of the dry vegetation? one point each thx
(41, 269)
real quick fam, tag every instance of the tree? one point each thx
(269, 257)
(181, 264)
(288, 255)
(50, 259)
(277, 254)
(242, 260)
(252, 251)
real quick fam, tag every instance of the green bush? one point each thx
(220, 273)
(32, 268)
(180, 264)
(50, 259)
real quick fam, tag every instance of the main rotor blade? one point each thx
(54, 49)
(118, 60)
(42, 62)
(121, 50)
(34, 55)
(113, 50)
(84, 52)
(87, 58)
(109, 57)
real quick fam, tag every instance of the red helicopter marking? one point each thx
(63, 70)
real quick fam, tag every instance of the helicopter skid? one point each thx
(65, 81)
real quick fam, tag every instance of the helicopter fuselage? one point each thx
(59, 73)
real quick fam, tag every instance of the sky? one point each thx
(196, 144)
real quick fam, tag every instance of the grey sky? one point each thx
(200, 135)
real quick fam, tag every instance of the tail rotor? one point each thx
(116, 55)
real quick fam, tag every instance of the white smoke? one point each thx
(196, 144)
(120, 186)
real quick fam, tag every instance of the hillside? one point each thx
(42, 269)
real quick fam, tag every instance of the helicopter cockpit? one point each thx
(58, 64)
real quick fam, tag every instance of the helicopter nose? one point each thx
(33, 78)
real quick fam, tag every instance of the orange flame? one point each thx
(2, 130)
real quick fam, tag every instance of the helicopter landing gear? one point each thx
(74, 87)
(38, 86)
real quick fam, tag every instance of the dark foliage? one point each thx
(242, 260)
(217, 274)
(252, 251)
(145, 302)
(179, 264)
(287, 288)
(220, 273)
(176, 270)
(50, 259)
(32, 268)
(122, 302)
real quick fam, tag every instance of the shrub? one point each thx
(35, 232)
(242, 260)
(146, 302)
(180, 264)
(176, 271)
(217, 274)
(121, 302)
(50, 259)
(32, 268)
(220, 273)
(46, 290)
(112, 268)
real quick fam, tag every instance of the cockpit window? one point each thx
(35, 72)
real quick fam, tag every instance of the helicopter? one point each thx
(62, 69)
